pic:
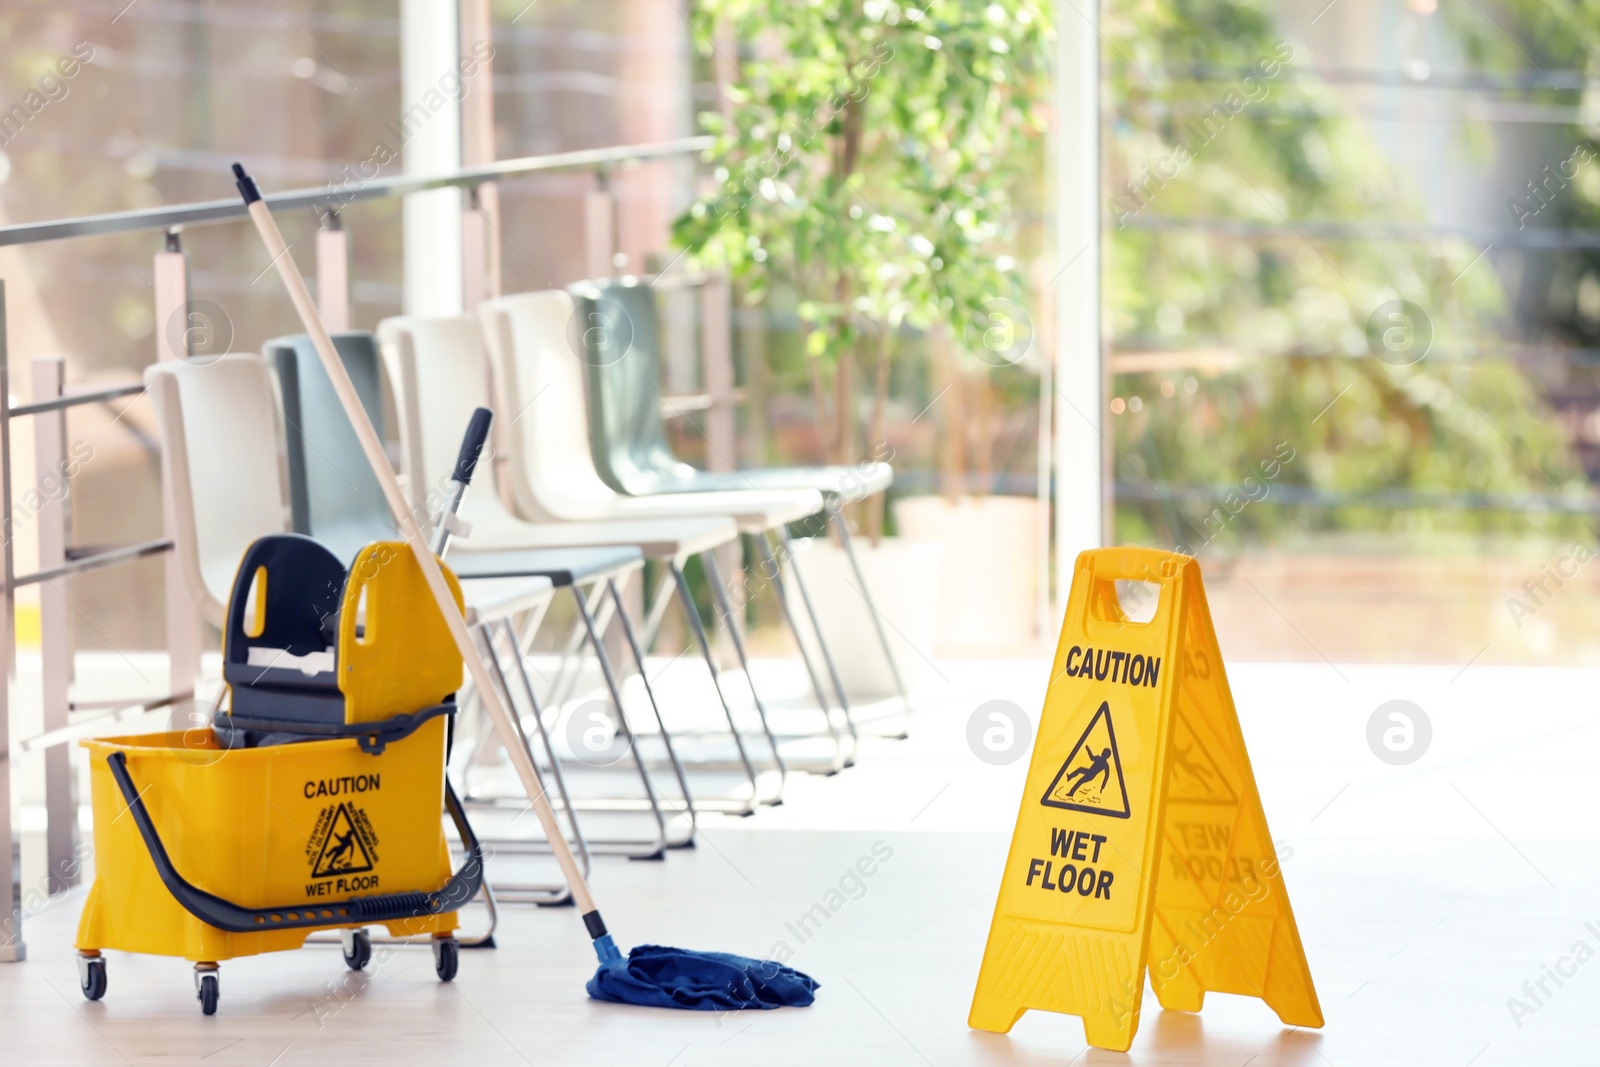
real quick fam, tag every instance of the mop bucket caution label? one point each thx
(1140, 842)
(343, 850)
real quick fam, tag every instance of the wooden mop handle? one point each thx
(411, 530)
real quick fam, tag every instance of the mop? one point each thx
(651, 975)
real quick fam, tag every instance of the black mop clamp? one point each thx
(472, 444)
(246, 184)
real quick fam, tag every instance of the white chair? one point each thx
(552, 471)
(221, 432)
(621, 347)
(337, 499)
(441, 360)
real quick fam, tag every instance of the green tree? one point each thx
(866, 172)
(1216, 118)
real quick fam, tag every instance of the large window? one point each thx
(1353, 298)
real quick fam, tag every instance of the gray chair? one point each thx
(628, 438)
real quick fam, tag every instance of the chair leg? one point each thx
(544, 735)
(666, 595)
(843, 527)
(665, 591)
(716, 680)
(822, 646)
(666, 735)
(567, 667)
(840, 760)
(570, 667)
(485, 745)
(559, 894)
(720, 591)
(653, 850)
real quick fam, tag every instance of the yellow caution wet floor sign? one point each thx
(1140, 843)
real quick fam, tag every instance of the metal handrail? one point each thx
(120, 554)
(327, 202)
(332, 197)
(72, 400)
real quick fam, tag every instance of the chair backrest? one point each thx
(619, 344)
(333, 494)
(220, 432)
(539, 382)
(441, 377)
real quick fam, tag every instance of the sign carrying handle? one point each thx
(1103, 607)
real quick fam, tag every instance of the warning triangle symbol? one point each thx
(1194, 777)
(342, 850)
(1091, 778)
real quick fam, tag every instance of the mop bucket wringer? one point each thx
(314, 802)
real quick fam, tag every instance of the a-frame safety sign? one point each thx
(1141, 843)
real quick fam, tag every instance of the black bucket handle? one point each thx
(387, 907)
(373, 737)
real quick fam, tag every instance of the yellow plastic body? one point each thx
(404, 659)
(1140, 841)
(262, 827)
(297, 826)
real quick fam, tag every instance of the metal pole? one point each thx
(1081, 486)
(55, 629)
(480, 223)
(600, 228)
(320, 199)
(171, 285)
(333, 273)
(12, 947)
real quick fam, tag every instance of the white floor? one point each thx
(1427, 896)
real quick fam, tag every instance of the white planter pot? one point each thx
(897, 573)
(989, 581)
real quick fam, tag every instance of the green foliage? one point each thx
(1561, 289)
(1216, 120)
(873, 146)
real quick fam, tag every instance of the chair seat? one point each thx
(868, 479)
(494, 531)
(754, 510)
(562, 566)
(501, 598)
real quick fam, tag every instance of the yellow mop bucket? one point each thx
(313, 803)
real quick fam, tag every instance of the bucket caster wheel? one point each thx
(357, 948)
(446, 957)
(206, 987)
(92, 976)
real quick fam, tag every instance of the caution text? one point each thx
(1101, 664)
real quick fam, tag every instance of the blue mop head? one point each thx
(656, 977)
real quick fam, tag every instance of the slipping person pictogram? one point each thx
(339, 858)
(1099, 767)
(1195, 777)
(1090, 779)
(343, 851)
